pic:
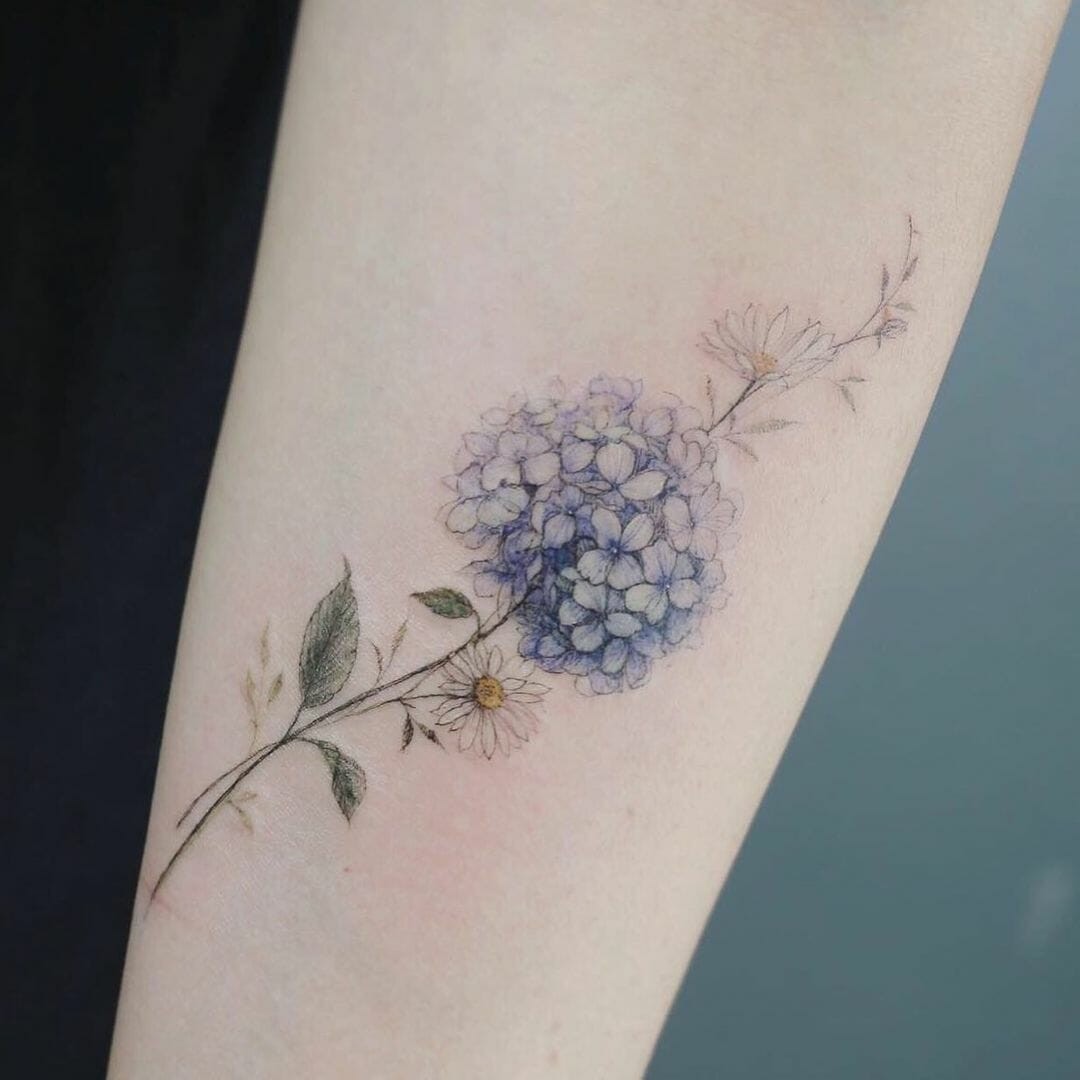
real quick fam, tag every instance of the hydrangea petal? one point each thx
(624, 571)
(463, 516)
(622, 624)
(588, 637)
(637, 533)
(606, 526)
(615, 655)
(571, 613)
(595, 565)
(703, 543)
(615, 462)
(558, 530)
(502, 507)
(637, 671)
(648, 600)
(591, 596)
(677, 522)
(684, 593)
(498, 471)
(646, 485)
(542, 468)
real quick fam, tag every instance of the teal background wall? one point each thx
(907, 904)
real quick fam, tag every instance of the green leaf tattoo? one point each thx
(348, 781)
(449, 603)
(331, 639)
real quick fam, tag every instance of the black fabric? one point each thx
(137, 147)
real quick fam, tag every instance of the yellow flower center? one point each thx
(763, 363)
(488, 692)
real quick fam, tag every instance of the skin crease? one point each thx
(463, 205)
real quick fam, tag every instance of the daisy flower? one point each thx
(487, 702)
(761, 348)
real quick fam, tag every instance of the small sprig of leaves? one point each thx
(737, 437)
(259, 691)
(843, 387)
(411, 726)
(237, 801)
(885, 324)
(384, 660)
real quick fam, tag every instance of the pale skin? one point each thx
(466, 201)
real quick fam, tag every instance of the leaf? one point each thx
(903, 305)
(249, 690)
(909, 270)
(264, 647)
(428, 733)
(449, 603)
(884, 280)
(396, 640)
(847, 395)
(328, 652)
(853, 378)
(275, 688)
(767, 425)
(738, 444)
(407, 731)
(892, 328)
(347, 779)
(378, 658)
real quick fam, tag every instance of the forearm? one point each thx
(465, 205)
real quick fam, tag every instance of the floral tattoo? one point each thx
(596, 517)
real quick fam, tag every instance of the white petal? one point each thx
(500, 470)
(588, 638)
(637, 533)
(646, 485)
(677, 521)
(558, 530)
(606, 526)
(615, 462)
(625, 571)
(593, 597)
(595, 564)
(622, 624)
(615, 654)
(639, 597)
(463, 516)
(703, 543)
(540, 469)
(684, 593)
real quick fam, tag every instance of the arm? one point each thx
(465, 206)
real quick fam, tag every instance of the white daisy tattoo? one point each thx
(487, 701)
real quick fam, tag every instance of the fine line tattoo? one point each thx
(597, 517)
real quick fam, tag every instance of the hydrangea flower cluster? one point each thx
(599, 518)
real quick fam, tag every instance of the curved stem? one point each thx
(214, 783)
(197, 827)
(747, 390)
(886, 300)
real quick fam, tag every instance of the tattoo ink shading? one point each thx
(596, 517)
